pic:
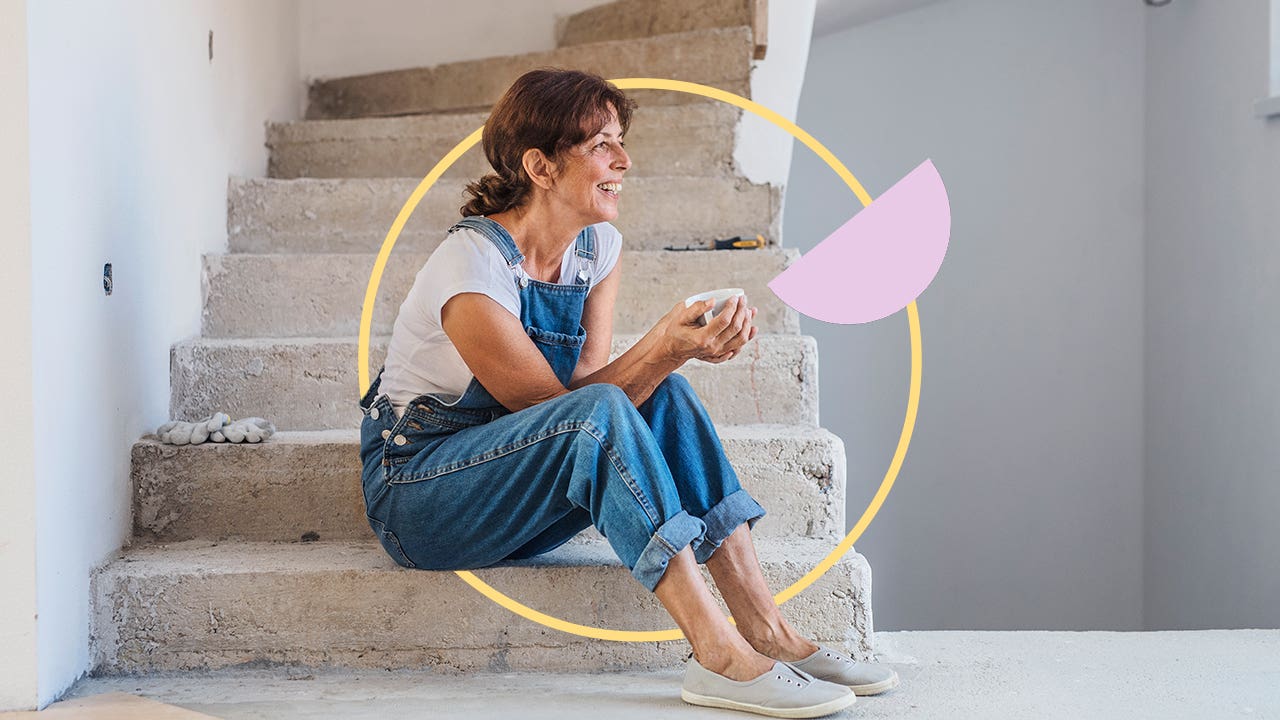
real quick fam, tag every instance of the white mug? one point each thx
(721, 297)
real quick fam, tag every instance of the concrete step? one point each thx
(693, 140)
(320, 295)
(340, 216)
(211, 605)
(311, 383)
(720, 57)
(309, 482)
(627, 19)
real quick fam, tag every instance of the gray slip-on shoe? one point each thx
(836, 667)
(782, 692)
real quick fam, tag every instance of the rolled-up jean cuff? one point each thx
(670, 538)
(725, 517)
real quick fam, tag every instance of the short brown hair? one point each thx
(548, 109)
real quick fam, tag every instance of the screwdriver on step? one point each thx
(739, 242)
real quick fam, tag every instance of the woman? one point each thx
(499, 430)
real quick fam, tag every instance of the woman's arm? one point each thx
(676, 339)
(638, 370)
(494, 345)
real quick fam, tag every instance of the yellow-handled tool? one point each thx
(734, 243)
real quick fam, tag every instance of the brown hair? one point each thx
(548, 109)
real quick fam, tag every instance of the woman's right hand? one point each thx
(719, 340)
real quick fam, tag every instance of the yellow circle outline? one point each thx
(913, 396)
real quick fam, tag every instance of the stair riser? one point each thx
(280, 490)
(393, 618)
(688, 140)
(354, 216)
(309, 295)
(719, 58)
(312, 386)
(625, 20)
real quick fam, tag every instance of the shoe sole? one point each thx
(876, 688)
(811, 711)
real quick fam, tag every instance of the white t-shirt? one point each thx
(420, 358)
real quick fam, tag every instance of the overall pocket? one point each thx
(548, 337)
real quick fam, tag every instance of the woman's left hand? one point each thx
(682, 338)
(735, 337)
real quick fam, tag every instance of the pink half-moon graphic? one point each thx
(880, 260)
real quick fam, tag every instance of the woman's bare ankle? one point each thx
(783, 644)
(739, 664)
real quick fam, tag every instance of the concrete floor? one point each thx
(954, 675)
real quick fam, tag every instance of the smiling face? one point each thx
(589, 177)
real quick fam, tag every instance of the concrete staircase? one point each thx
(250, 554)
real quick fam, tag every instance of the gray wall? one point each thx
(1213, 297)
(1020, 502)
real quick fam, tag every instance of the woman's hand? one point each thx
(721, 339)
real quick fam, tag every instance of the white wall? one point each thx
(134, 132)
(340, 38)
(17, 441)
(1020, 501)
(763, 151)
(1213, 278)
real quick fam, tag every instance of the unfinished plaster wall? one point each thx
(134, 130)
(17, 440)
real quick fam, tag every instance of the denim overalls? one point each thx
(457, 484)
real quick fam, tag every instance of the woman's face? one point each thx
(590, 177)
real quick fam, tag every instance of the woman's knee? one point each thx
(674, 386)
(676, 383)
(601, 400)
(673, 392)
(597, 393)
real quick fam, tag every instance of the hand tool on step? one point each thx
(739, 242)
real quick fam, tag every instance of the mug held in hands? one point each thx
(721, 297)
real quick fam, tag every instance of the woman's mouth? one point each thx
(610, 188)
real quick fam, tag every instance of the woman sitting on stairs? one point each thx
(498, 429)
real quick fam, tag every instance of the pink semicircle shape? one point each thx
(880, 260)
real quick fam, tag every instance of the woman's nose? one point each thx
(622, 161)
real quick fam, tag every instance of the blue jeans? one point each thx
(445, 493)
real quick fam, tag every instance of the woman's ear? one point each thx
(540, 169)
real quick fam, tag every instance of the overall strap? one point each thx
(586, 251)
(497, 234)
(374, 390)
